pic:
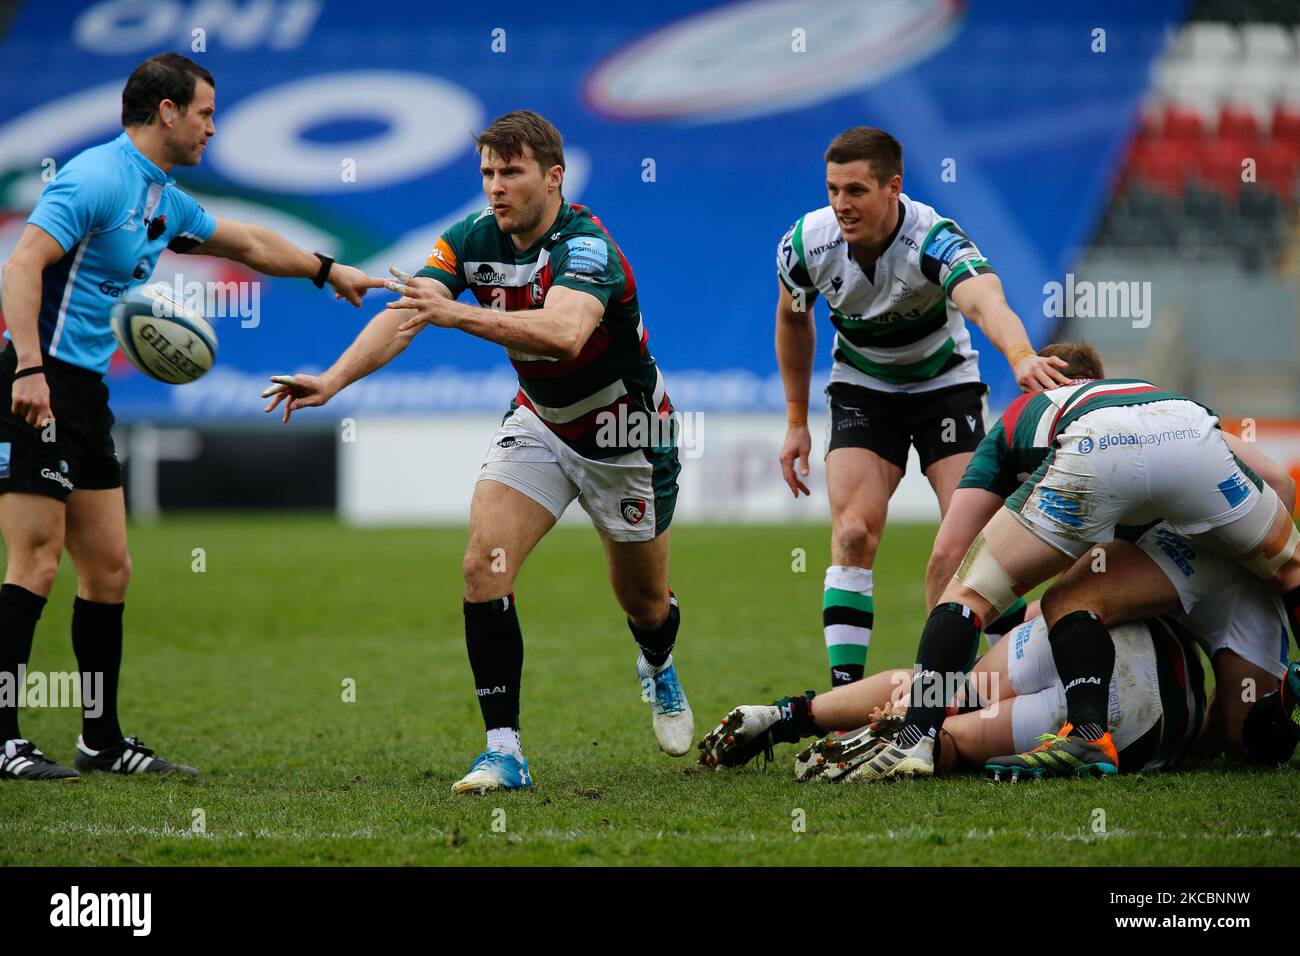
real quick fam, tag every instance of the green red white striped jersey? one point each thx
(896, 330)
(1022, 438)
(614, 373)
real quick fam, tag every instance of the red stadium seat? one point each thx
(1219, 165)
(1238, 123)
(1183, 123)
(1286, 124)
(1163, 164)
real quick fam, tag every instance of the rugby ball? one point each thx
(162, 336)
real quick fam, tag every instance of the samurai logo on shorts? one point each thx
(633, 509)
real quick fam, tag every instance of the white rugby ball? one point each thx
(162, 336)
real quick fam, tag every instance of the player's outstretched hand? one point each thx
(795, 451)
(351, 283)
(1038, 372)
(297, 391)
(424, 296)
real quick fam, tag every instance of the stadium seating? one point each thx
(1212, 172)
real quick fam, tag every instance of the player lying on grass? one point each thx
(591, 422)
(1014, 697)
(1157, 699)
(1101, 453)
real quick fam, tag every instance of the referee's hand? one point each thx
(31, 400)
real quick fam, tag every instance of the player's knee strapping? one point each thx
(982, 573)
(848, 612)
(1250, 533)
(1275, 553)
(496, 655)
(656, 643)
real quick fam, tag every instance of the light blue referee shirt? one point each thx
(99, 209)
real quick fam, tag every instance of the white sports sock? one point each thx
(505, 740)
(645, 669)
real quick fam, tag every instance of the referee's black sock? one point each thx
(947, 650)
(97, 642)
(656, 643)
(20, 609)
(496, 655)
(1084, 655)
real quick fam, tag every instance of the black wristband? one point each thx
(326, 263)
(31, 370)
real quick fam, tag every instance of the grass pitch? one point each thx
(240, 670)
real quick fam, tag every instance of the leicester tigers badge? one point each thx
(633, 509)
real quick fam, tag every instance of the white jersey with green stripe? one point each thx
(896, 329)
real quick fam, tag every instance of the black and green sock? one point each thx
(848, 611)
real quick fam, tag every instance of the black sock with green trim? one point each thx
(848, 613)
(796, 718)
(945, 655)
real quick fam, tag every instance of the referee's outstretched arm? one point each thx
(269, 253)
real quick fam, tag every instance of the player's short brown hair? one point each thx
(167, 76)
(882, 151)
(509, 134)
(1082, 360)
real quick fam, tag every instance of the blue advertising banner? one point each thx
(694, 131)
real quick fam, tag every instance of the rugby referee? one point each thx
(97, 230)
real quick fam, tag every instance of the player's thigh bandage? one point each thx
(1283, 546)
(1249, 532)
(1266, 566)
(981, 572)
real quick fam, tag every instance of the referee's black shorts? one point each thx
(947, 421)
(76, 452)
